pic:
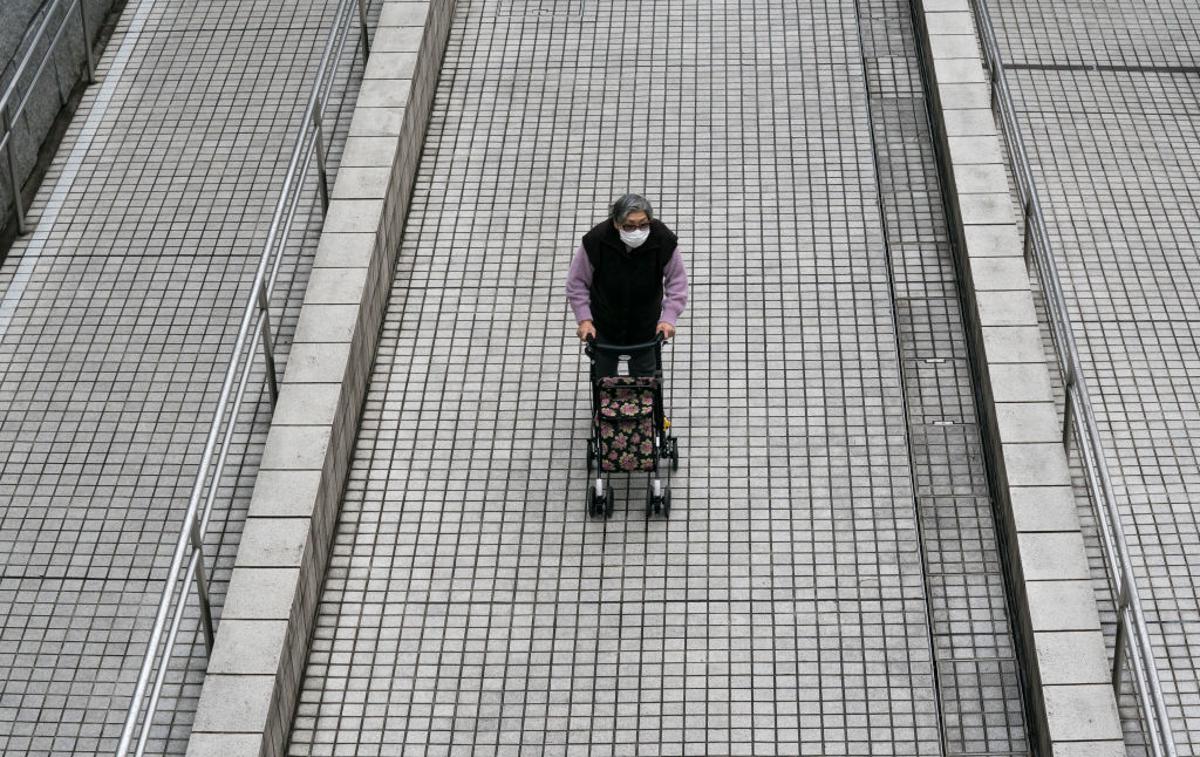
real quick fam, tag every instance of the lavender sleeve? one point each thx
(579, 284)
(675, 288)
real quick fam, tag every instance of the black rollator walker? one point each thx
(630, 431)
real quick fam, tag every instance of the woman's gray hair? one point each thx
(630, 203)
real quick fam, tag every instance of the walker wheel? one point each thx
(660, 505)
(599, 506)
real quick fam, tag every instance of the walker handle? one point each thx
(659, 339)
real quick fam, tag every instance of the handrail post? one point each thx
(1028, 248)
(1068, 407)
(322, 175)
(87, 43)
(268, 351)
(1119, 652)
(14, 182)
(362, 20)
(202, 584)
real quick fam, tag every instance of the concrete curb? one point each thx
(254, 675)
(1074, 710)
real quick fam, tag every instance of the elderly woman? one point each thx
(627, 282)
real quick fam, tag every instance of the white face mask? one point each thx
(635, 238)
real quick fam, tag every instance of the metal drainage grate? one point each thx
(576, 10)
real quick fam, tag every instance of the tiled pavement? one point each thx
(116, 316)
(469, 603)
(1106, 94)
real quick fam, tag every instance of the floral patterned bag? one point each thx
(626, 421)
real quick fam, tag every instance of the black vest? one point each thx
(627, 285)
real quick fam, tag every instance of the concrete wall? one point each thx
(1073, 707)
(52, 89)
(254, 675)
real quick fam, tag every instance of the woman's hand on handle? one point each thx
(666, 329)
(586, 331)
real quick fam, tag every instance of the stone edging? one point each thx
(254, 675)
(1066, 663)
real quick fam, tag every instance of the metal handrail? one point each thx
(255, 327)
(1133, 638)
(31, 44)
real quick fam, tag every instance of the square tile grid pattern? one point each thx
(118, 314)
(470, 605)
(1104, 92)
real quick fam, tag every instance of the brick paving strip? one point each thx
(1067, 667)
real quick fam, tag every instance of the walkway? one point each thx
(469, 603)
(116, 317)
